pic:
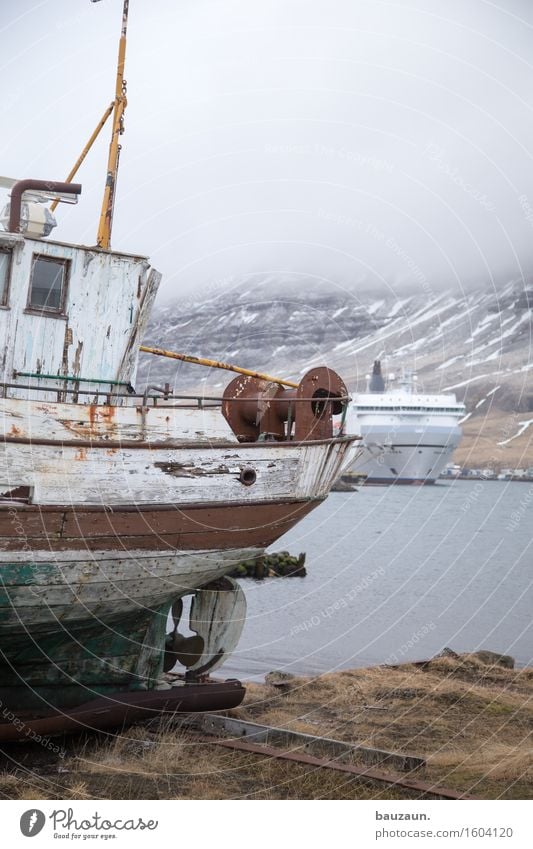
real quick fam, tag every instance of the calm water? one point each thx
(396, 574)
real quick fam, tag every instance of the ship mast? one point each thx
(106, 215)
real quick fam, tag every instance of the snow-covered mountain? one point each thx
(477, 343)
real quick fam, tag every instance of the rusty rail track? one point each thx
(433, 791)
(317, 752)
(251, 738)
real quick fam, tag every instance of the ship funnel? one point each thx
(377, 384)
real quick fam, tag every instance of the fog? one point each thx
(355, 142)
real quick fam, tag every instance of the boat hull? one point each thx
(79, 623)
(411, 458)
(108, 517)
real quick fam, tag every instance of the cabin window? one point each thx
(5, 268)
(48, 285)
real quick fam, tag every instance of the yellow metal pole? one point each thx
(106, 215)
(87, 148)
(200, 361)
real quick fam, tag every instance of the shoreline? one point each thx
(467, 717)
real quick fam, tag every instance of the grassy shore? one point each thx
(490, 441)
(472, 721)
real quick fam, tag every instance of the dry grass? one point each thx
(481, 437)
(144, 765)
(473, 723)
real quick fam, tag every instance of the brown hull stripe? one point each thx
(187, 529)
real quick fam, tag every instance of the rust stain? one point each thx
(76, 363)
(77, 428)
(66, 343)
(81, 454)
(101, 423)
(14, 430)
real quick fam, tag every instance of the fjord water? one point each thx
(396, 574)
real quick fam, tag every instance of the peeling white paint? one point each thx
(107, 302)
(67, 475)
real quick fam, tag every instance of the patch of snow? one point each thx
(494, 356)
(375, 307)
(483, 324)
(399, 305)
(523, 427)
(450, 362)
(480, 329)
(417, 318)
(343, 345)
(470, 380)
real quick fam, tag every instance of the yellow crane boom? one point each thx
(201, 361)
(103, 238)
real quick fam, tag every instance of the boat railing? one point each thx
(147, 398)
(109, 398)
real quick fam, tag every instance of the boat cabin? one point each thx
(71, 319)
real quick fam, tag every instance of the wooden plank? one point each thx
(61, 475)
(138, 562)
(19, 524)
(183, 519)
(116, 425)
(209, 540)
(187, 529)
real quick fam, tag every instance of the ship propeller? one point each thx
(180, 649)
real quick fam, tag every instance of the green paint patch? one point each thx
(66, 665)
(27, 573)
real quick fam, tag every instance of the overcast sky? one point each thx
(349, 140)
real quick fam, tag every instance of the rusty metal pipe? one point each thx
(202, 361)
(35, 185)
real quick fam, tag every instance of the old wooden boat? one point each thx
(116, 504)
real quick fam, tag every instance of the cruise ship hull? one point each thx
(404, 456)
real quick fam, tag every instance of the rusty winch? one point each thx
(259, 409)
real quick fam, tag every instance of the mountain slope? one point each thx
(477, 344)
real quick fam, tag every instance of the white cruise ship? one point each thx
(408, 436)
